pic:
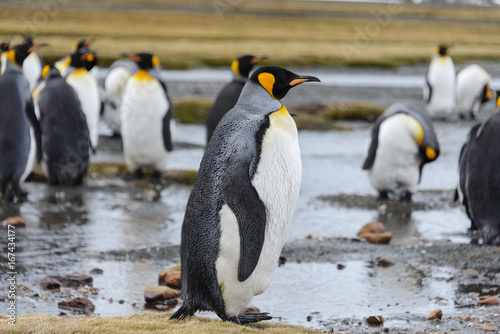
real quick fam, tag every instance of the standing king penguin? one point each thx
(479, 180)
(228, 96)
(32, 65)
(473, 89)
(87, 89)
(146, 117)
(20, 137)
(402, 140)
(242, 201)
(65, 135)
(439, 88)
(4, 49)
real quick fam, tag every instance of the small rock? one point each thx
(121, 301)
(96, 271)
(487, 328)
(377, 238)
(309, 318)
(251, 309)
(73, 280)
(436, 314)
(340, 266)
(171, 277)
(155, 294)
(489, 301)
(375, 320)
(383, 262)
(62, 314)
(14, 221)
(471, 272)
(281, 261)
(77, 304)
(2, 298)
(50, 284)
(309, 236)
(372, 227)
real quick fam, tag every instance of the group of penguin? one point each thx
(248, 182)
(51, 114)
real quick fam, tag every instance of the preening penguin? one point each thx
(480, 178)
(146, 114)
(228, 96)
(87, 89)
(114, 86)
(242, 201)
(473, 89)
(402, 140)
(20, 136)
(65, 135)
(439, 89)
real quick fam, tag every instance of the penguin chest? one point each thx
(441, 76)
(143, 108)
(396, 165)
(277, 181)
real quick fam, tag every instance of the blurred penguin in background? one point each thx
(4, 49)
(63, 65)
(229, 95)
(439, 88)
(87, 89)
(20, 137)
(479, 179)
(402, 141)
(32, 65)
(146, 119)
(473, 90)
(65, 135)
(114, 86)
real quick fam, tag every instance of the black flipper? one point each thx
(30, 113)
(246, 318)
(167, 136)
(243, 200)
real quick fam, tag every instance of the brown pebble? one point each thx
(96, 271)
(340, 266)
(73, 280)
(251, 309)
(50, 284)
(487, 328)
(375, 320)
(372, 227)
(436, 314)
(377, 238)
(171, 277)
(78, 304)
(155, 294)
(489, 301)
(383, 262)
(14, 221)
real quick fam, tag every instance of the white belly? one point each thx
(87, 89)
(396, 165)
(277, 182)
(441, 76)
(31, 157)
(114, 86)
(470, 84)
(32, 68)
(143, 108)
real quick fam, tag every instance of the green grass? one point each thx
(196, 33)
(192, 111)
(136, 323)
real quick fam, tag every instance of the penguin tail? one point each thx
(246, 318)
(182, 313)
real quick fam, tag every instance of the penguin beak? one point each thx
(133, 57)
(303, 78)
(90, 41)
(257, 59)
(36, 47)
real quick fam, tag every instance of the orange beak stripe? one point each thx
(297, 81)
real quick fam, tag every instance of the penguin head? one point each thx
(49, 72)
(277, 81)
(145, 60)
(242, 66)
(83, 43)
(82, 58)
(20, 52)
(442, 49)
(5, 46)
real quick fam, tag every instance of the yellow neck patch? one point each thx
(143, 75)
(80, 71)
(45, 70)
(267, 81)
(430, 153)
(12, 57)
(281, 119)
(488, 93)
(235, 67)
(498, 101)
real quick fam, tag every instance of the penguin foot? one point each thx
(246, 318)
(136, 175)
(182, 313)
(405, 197)
(156, 176)
(383, 196)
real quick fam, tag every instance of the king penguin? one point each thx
(228, 96)
(32, 65)
(480, 178)
(65, 135)
(242, 201)
(439, 89)
(4, 49)
(20, 137)
(146, 119)
(402, 140)
(473, 90)
(63, 65)
(114, 86)
(87, 89)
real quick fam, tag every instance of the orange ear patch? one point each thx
(267, 81)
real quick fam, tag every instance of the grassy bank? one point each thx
(136, 323)
(199, 33)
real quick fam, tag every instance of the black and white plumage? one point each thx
(20, 138)
(439, 87)
(473, 90)
(479, 178)
(402, 140)
(242, 202)
(65, 134)
(146, 119)
(228, 96)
